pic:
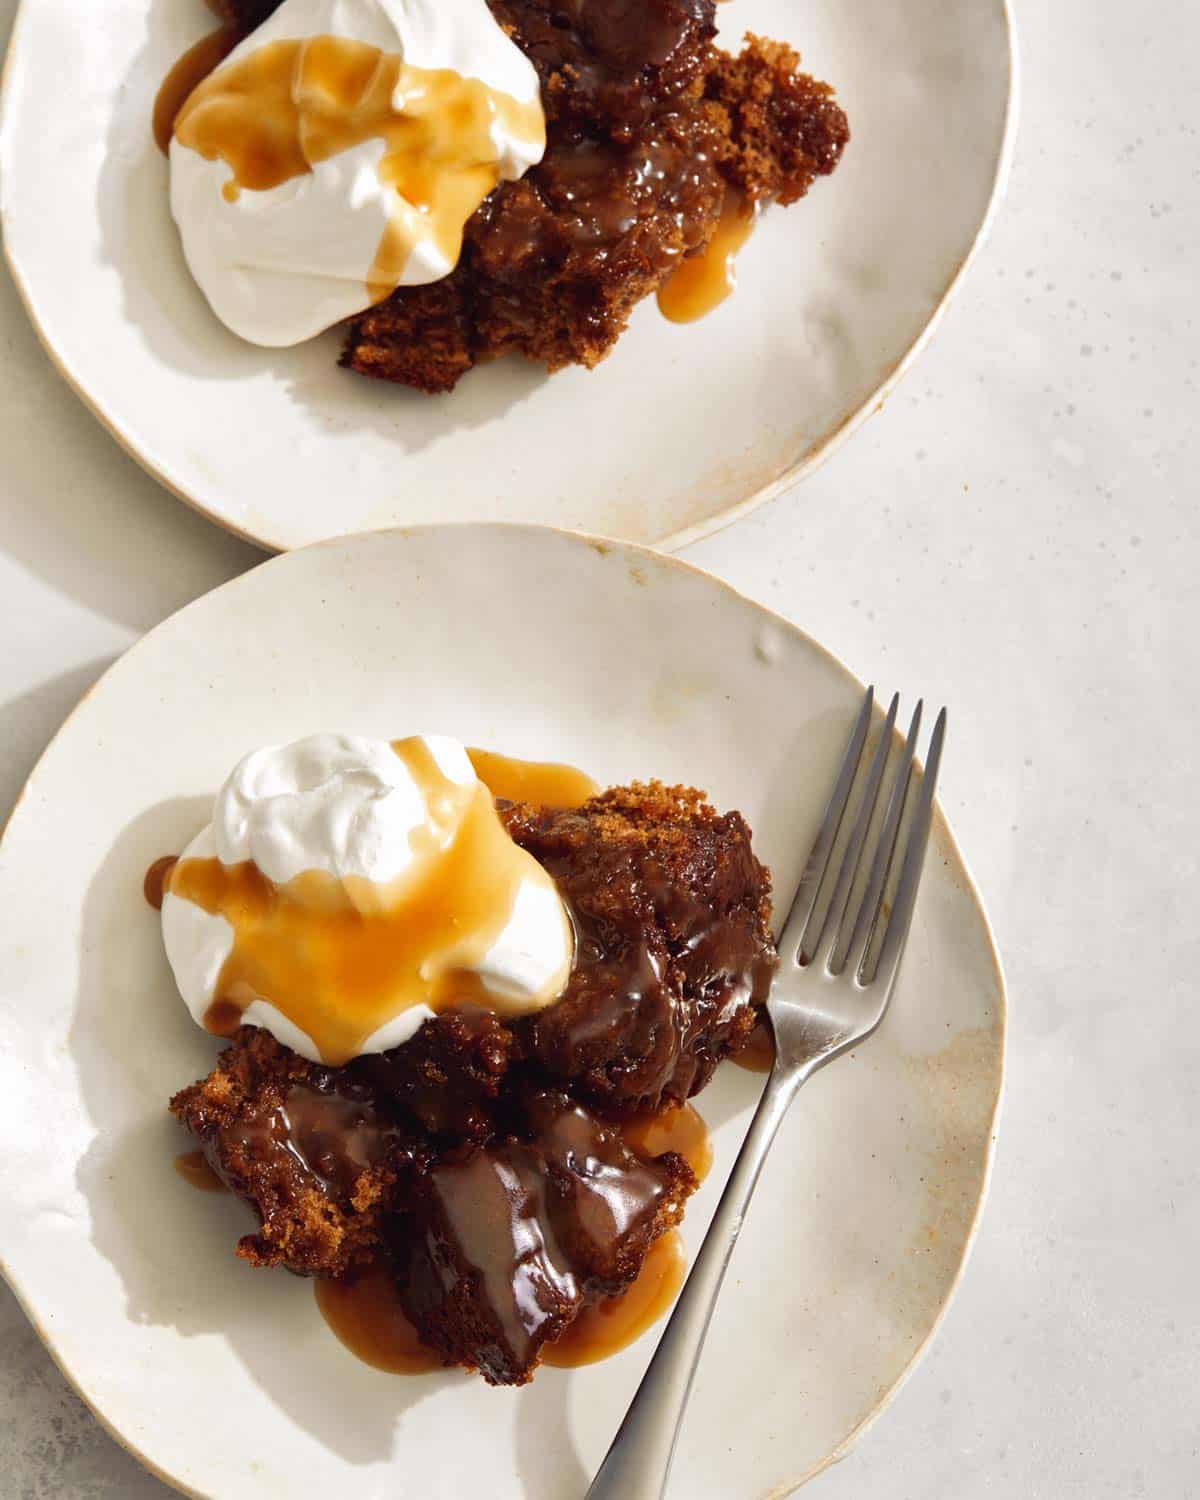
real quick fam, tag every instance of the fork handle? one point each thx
(637, 1463)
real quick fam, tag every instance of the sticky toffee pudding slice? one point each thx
(482, 1167)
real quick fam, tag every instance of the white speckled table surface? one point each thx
(1015, 533)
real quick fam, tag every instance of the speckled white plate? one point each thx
(223, 1379)
(680, 430)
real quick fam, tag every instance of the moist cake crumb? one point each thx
(306, 1146)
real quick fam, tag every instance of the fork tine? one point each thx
(887, 838)
(804, 902)
(910, 874)
(836, 921)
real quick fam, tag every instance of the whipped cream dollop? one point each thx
(365, 194)
(346, 887)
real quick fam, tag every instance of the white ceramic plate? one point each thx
(224, 1379)
(682, 428)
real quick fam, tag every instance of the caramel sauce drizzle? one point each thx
(702, 282)
(539, 783)
(193, 1167)
(277, 112)
(341, 956)
(365, 1314)
(155, 881)
(678, 1127)
(604, 1328)
(186, 74)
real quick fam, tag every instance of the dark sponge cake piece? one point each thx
(553, 265)
(430, 348)
(634, 179)
(305, 1146)
(449, 1076)
(513, 1239)
(785, 129)
(321, 1153)
(608, 66)
(674, 948)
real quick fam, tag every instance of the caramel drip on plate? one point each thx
(155, 880)
(679, 1128)
(339, 957)
(605, 1328)
(365, 1314)
(539, 783)
(193, 1167)
(276, 113)
(186, 75)
(757, 1055)
(701, 282)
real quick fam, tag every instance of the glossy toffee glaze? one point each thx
(596, 192)
(277, 112)
(544, 1224)
(154, 882)
(537, 782)
(612, 50)
(663, 1016)
(607, 1327)
(340, 957)
(335, 1136)
(316, 1138)
(365, 1313)
(194, 1168)
(186, 75)
(540, 1219)
(702, 282)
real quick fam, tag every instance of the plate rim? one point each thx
(793, 474)
(940, 823)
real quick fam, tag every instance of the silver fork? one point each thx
(838, 964)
